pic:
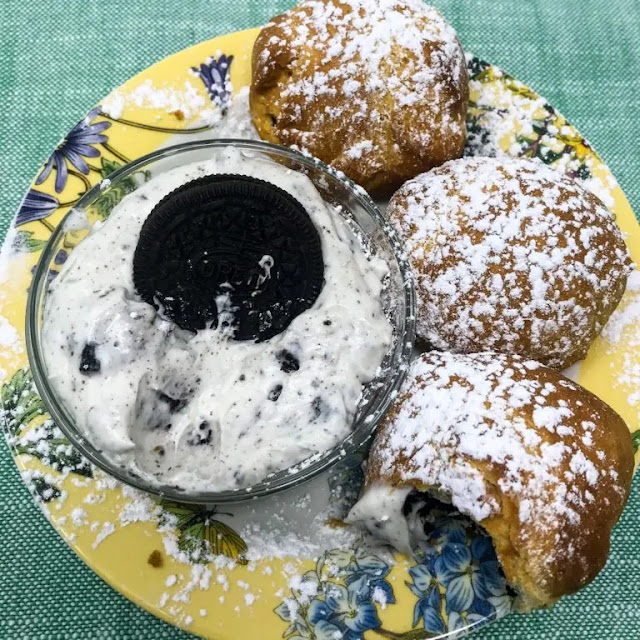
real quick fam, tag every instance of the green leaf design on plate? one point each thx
(107, 200)
(201, 535)
(108, 167)
(20, 405)
(20, 401)
(476, 67)
(24, 242)
(635, 439)
(48, 444)
(43, 490)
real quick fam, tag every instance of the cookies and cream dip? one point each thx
(200, 410)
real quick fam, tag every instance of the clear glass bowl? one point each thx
(354, 204)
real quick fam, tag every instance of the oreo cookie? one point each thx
(88, 362)
(233, 251)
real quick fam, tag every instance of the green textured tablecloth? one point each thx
(58, 58)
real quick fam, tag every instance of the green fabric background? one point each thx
(59, 58)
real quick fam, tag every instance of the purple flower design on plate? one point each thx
(61, 257)
(36, 206)
(76, 146)
(214, 74)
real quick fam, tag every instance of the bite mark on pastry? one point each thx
(541, 464)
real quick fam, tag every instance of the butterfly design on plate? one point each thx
(201, 534)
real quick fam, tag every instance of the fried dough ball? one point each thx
(510, 255)
(541, 464)
(376, 88)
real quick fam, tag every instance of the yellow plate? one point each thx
(206, 570)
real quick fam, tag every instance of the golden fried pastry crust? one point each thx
(377, 88)
(510, 256)
(539, 462)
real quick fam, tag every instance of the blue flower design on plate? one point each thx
(364, 572)
(36, 206)
(340, 598)
(471, 574)
(344, 613)
(458, 583)
(215, 76)
(77, 145)
(425, 587)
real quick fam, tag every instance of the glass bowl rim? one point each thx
(363, 429)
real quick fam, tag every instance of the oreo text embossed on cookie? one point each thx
(229, 235)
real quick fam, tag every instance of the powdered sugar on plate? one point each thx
(506, 118)
(622, 333)
(9, 337)
(236, 123)
(186, 102)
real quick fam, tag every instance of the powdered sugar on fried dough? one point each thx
(378, 88)
(459, 417)
(510, 256)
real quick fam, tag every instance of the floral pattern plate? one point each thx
(283, 566)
